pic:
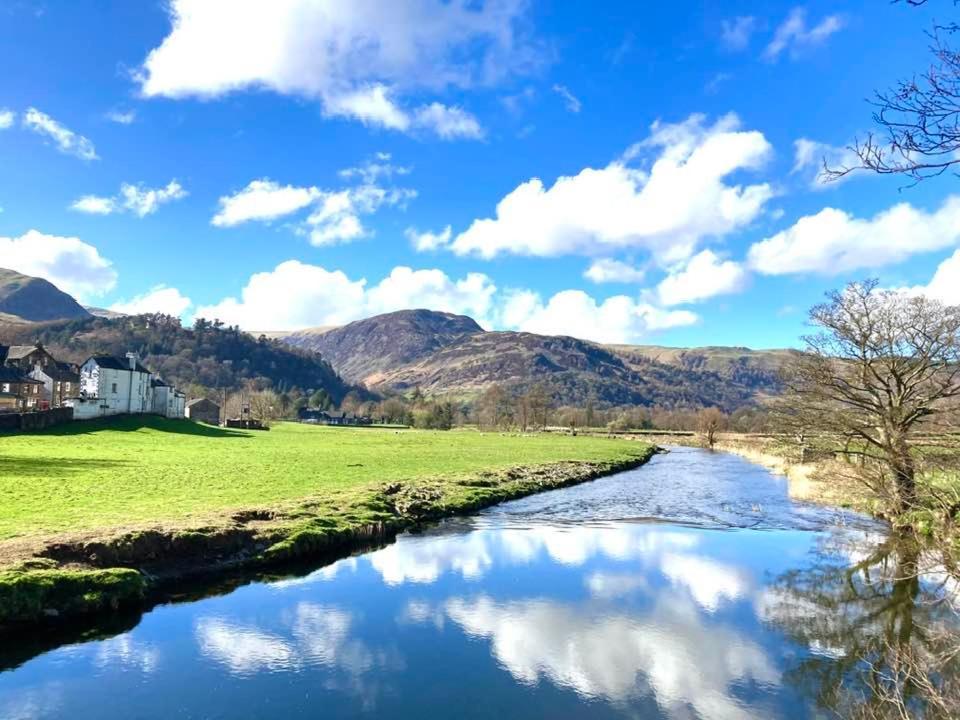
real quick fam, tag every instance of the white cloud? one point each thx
(137, 199)
(810, 156)
(735, 34)
(608, 270)
(570, 100)
(356, 58)
(449, 123)
(703, 277)
(945, 283)
(372, 170)
(69, 263)
(94, 205)
(667, 209)
(160, 299)
(297, 295)
(426, 241)
(335, 216)
(263, 200)
(122, 117)
(833, 241)
(618, 319)
(7, 118)
(66, 140)
(794, 36)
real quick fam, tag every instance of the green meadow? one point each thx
(135, 472)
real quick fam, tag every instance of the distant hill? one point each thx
(215, 357)
(451, 355)
(103, 312)
(369, 350)
(31, 299)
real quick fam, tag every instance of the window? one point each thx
(114, 389)
(6, 387)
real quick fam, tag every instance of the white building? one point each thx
(111, 386)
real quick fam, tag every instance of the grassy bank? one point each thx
(92, 514)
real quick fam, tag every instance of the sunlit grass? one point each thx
(133, 471)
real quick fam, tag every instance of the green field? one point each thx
(133, 472)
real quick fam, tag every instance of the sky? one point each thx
(616, 171)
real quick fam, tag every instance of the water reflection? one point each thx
(515, 613)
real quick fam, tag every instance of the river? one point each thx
(692, 587)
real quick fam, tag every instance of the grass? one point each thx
(86, 507)
(133, 472)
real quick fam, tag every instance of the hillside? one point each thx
(369, 350)
(450, 355)
(215, 357)
(25, 298)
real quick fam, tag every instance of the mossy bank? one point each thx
(49, 575)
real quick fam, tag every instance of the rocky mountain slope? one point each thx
(450, 355)
(30, 299)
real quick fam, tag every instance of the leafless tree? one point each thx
(710, 421)
(919, 119)
(883, 367)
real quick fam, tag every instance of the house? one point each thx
(325, 417)
(166, 399)
(17, 391)
(203, 410)
(60, 382)
(25, 357)
(114, 386)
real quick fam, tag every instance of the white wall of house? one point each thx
(168, 402)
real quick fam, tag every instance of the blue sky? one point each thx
(606, 171)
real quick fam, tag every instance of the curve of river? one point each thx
(692, 587)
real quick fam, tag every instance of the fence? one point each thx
(35, 420)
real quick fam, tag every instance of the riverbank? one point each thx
(339, 491)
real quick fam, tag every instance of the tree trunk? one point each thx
(904, 482)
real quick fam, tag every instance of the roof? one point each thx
(12, 375)
(198, 401)
(61, 371)
(158, 382)
(110, 362)
(18, 352)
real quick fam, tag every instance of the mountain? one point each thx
(25, 298)
(366, 351)
(450, 355)
(207, 354)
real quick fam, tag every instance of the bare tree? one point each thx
(265, 406)
(919, 119)
(710, 421)
(883, 367)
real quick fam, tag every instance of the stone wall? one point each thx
(35, 420)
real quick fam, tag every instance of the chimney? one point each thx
(133, 358)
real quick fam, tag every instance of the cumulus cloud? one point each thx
(608, 270)
(794, 35)
(569, 99)
(297, 295)
(735, 34)
(945, 283)
(335, 216)
(69, 263)
(703, 277)
(833, 241)
(667, 209)
(7, 118)
(136, 199)
(809, 158)
(263, 200)
(448, 123)
(160, 299)
(426, 241)
(356, 58)
(65, 139)
(619, 319)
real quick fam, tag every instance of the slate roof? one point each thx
(12, 375)
(110, 362)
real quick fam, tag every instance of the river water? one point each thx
(689, 588)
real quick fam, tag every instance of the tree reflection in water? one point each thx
(881, 625)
